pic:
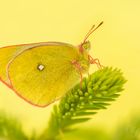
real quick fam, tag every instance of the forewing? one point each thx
(41, 87)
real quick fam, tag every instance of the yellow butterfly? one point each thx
(43, 72)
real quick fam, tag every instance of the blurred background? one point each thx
(116, 43)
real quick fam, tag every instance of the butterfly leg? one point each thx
(95, 61)
(79, 68)
(81, 76)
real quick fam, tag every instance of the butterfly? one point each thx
(41, 73)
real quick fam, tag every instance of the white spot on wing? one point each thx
(40, 67)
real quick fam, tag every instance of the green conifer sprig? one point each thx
(81, 102)
(10, 128)
(129, 129)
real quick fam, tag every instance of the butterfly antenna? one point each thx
(91, 31)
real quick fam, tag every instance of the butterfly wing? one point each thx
(7, 54)
(42, 86)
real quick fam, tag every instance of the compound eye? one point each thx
(87, 45)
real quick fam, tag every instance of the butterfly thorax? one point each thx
(82, 62)
(84, 66)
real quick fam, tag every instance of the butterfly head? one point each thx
(84, 47)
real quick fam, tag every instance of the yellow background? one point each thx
(116, 43)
